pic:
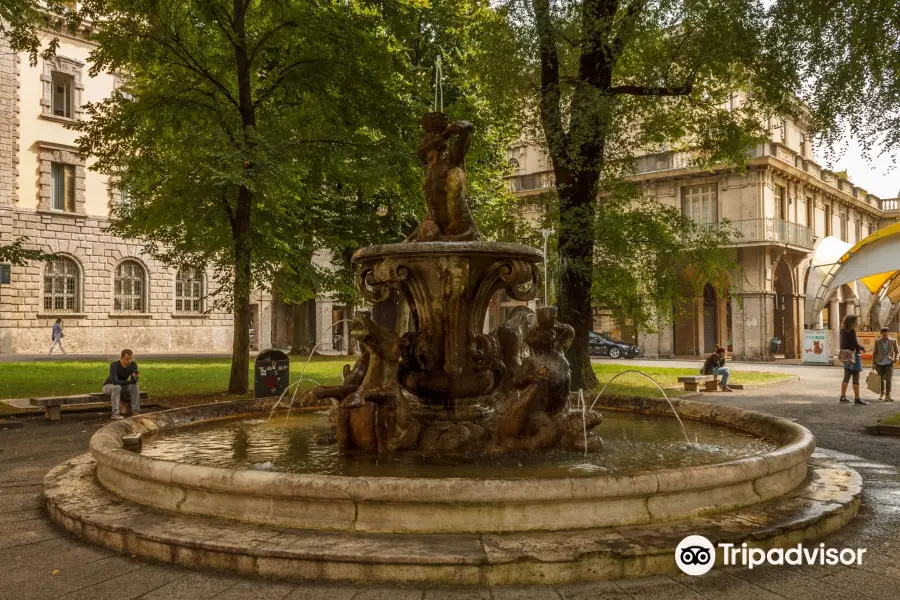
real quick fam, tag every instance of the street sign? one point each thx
(4, 274)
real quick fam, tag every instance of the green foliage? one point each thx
(17, 254)
(466, 34)
(21, 22)
(323, 98)
(847, 53)
(610, 80)
(647, 255)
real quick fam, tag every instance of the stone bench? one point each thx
(52, 406)
(692, 382)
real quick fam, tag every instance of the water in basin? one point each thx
(633, 443)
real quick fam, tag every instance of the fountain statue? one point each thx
(446, 386)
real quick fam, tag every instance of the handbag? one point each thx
(873, 381)
(846, 356)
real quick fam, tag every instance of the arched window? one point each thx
(130, 286)
(189, 290)
(61, 285)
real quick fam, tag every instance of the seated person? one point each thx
(123, 377)
(715, 365)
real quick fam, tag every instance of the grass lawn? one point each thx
(164, 379)
(667, 377)
(891, 420)
(180, 382)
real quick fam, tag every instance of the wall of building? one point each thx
(30, 137)
(768, 286)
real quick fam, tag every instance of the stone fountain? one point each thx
(446, 386)
(443, 389)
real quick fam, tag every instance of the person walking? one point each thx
(56, 336)
(850, 356)
(123, 378)
(884, 354)
(715, 365)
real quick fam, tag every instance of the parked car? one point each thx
(602, 345)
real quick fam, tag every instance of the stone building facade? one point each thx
(108, 292)
(781, 205)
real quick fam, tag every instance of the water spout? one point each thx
(546, 233)
(659, 387)
(583, 418)
(303, 372)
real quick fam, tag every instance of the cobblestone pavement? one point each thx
(39, 561)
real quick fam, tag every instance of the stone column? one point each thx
(834, 325)
(265, 321)
(752, 325)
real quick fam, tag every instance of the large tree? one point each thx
(613, 78)
(848, 54)
(228, 107)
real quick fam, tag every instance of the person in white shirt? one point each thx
(884, 354)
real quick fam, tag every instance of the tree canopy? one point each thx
(249, 133)
(610, 79)
(847, 54)
(230, 115)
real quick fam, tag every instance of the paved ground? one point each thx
(39, 561)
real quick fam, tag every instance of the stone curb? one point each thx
(828, 500)
(887, 429)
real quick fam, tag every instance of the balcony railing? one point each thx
(541, 180)
(664, 161)
(776, 231)
(890, 205)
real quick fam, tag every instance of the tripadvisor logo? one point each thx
(696, 555)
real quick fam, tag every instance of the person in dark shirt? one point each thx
(715, 365)
(852, 367)
(123, 377)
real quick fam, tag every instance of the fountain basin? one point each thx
(454, 505)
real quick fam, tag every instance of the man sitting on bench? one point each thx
(715, 365)
(123, 377)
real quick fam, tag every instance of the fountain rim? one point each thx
(796, 444)
(504, 250)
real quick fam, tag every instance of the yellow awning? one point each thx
(884, 232)
(893, 291)
(874, 283)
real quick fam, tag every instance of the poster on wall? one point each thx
(867, 341)
(816, 347)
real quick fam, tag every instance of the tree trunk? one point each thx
(240, 348)
(304, 338)
(576, 251)
(240, 222)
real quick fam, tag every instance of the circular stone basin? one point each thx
(569, 497)
(633, 443)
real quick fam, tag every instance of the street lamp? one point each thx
(546, 233)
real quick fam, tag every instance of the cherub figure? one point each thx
(444, 149)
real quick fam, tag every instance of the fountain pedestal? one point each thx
(448, 286)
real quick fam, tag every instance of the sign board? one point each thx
(4, 274)
(816, 347)
(867, 341)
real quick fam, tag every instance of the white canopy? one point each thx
(874, 261)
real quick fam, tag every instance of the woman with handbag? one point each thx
(850, 356)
